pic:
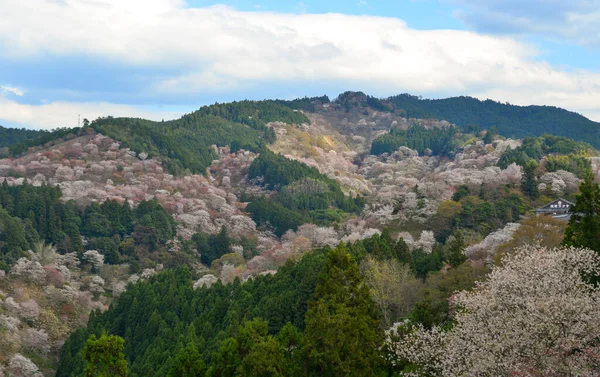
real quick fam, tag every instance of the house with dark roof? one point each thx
(559, 209)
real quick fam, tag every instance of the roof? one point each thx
(559, 204)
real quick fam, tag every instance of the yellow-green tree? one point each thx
(104, 356)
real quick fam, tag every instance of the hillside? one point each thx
(240, 205)
(511, 121)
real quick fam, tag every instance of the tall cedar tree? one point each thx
(584, 225)
(187, 363)
(342, 336)
(104, 356)
(455, 250)
(529, 182)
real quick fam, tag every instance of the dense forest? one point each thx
(511, 121)
(303, 194)
(31, 214)
(314, 317)
(9, 136)
(437, 140)
(561, 154)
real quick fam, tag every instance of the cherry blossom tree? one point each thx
(537, 315)
(94, 258)
(20, 366)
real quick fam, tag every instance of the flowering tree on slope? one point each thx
(537, 315)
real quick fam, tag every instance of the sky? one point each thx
(160, 59)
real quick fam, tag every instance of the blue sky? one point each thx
(159, 59)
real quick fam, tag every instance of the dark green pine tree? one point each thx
(455, 250)
(187, 363)
(402, 251)
(490, 135)
(342, 336)
(529, 182)
(584, 225)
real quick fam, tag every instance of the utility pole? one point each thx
(78, 120)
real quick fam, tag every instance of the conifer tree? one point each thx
(187, 363)
(342, 335)
(529, 182)
(584, 225)
(455, 250)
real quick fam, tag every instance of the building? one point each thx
(559, 209)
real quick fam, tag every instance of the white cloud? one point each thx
(12, 90)
(220, 49)
(64, 114)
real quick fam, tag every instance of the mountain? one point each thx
(510, 120)
(239, 210)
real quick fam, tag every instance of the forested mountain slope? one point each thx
(226, 197)
(10, 136)
(511, 121)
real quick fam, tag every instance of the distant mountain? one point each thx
(511, 121)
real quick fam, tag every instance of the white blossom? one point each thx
(20, 366)
(31, 271)
(96, 284)
(30, 310)
(536, 315)
(205, 281)
(36, 340)
(94, 258)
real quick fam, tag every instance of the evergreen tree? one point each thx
(490, 135)
(584, 225)
(104, 356)
(529, 181)
(187, 363)
(455, 250)
(342, 335)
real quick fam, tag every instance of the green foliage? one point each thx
(456, 247)
(271, 212)
(534, 148)
(104, 356)
(256, 113)
(184, 144)
(529, 184)
(187, 363)
(39, 214)
(580, 165)
(511, 121)
(490, 135)
(278, 171)
(486, 215)
(9, 136)
(38, 138)
(305, 104)
(213, 246)
(461, 192)
(423, 263)
(433, 309)
(584, 224)
(342, 336)
(13, 242)
(304, 194)
(253, 328)
(417, 137)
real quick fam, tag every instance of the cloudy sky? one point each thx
(159, 59)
